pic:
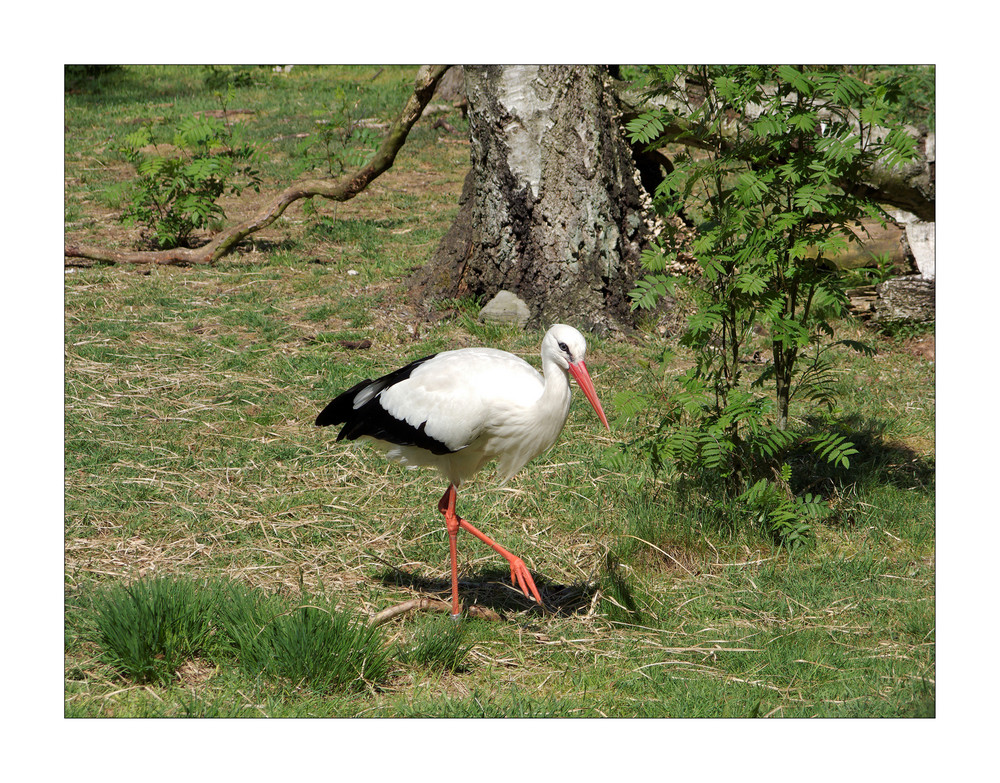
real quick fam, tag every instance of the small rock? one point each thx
(507, 308)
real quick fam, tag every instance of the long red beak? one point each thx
(579, 371)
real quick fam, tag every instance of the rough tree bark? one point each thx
(347, 187)
(902, 299)
(552, 209)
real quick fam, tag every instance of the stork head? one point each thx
(566, 347)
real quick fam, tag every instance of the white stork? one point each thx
(457, 410)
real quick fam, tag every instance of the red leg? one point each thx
(447, 507)
(519, 575)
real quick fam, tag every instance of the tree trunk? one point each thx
(552, 210)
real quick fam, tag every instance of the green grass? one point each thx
(149, 629)
(190, 453)
(311, 646)
(438, 646)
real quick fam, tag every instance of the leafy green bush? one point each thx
(766, 163)
(176, 193)
(787, 517)
(909, 90)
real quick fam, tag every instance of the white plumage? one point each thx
(457, 410)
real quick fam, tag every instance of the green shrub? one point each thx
(770, 156)
(176, 193)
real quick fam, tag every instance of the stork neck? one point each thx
(557, 391)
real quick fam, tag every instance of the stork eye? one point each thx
(564, 348)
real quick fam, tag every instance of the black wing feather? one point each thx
(373, 420)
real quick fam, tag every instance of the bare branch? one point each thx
(430, 604)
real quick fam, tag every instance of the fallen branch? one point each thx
(342, 189)
(432, 605)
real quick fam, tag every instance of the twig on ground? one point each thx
(433, 605)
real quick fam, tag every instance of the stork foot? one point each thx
(520, 577)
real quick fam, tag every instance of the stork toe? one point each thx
(520, 577)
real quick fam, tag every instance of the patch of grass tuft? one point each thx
(438, 645)
(310, 645)
(148, 629)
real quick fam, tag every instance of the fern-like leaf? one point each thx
(835, 449)
(650, 290)
(856, 345)
(645, 128)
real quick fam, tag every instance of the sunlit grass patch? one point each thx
(148, 629)
(438, 644)
(310, 644)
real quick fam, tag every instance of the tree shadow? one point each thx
(880, 459)
(492, 589)
(269, 245)
(97, 84)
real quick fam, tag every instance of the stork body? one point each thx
(458, 410)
